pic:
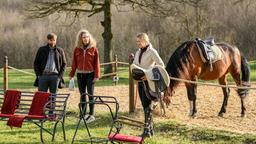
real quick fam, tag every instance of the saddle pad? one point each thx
(163, 78)
(217, 52)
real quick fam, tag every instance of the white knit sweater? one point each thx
(148, 59)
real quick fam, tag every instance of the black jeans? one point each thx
(144, 100)
(85, 80)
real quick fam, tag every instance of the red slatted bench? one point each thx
(21, 107)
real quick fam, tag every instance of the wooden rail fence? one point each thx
(114, 74)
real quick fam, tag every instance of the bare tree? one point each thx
(230, 21)
(74, 8)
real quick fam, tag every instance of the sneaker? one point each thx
(52, 117)
(86, 116)
(90, 119)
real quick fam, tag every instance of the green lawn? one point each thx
(165, 133)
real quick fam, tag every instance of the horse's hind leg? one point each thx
(191, 92)
(235, 73)
(226, 92)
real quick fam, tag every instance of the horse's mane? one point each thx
(176, 63)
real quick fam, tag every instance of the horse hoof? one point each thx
(220, 115)
(164, 115)
(243, 115)
(192, 115)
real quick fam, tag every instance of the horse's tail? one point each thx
(245, 68)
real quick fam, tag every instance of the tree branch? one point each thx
(40, 9)
(155, 7)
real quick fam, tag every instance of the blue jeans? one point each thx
(50, 82)
(85, 81)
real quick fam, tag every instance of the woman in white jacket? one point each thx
(146, 57)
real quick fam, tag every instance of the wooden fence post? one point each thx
(131, 88)
(115, 68)
(5, 73)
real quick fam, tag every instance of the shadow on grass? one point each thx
(202, 134)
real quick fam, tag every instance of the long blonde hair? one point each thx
(79, 42)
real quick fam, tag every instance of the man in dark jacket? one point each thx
(49, 66)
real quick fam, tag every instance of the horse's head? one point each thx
(168, 93)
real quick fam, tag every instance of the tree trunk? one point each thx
(107, 36)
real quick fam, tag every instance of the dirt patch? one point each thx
(209, 102)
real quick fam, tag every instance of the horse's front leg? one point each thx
(191, 93)
(243, 109)
(226, 92)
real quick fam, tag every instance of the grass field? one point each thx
(166, 132)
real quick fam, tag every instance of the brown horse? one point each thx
(186, 63)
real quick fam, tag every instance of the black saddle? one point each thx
(137, 74)
(205, 46)
(160, 85)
